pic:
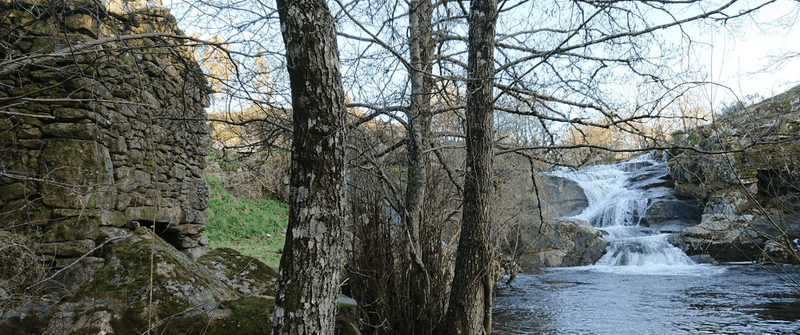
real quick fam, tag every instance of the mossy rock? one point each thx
(126, 294)
(70, 229)
(249, 316)
(249, 275)
(767, 157)
(172, 288)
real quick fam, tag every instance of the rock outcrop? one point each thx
(145, 283)
(562, 196)
(534, 239)
(102, 126)
(745, 169)
(560, 243)
(672, 215)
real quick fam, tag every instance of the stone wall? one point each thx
(102, 126)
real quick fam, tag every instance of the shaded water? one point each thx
(696, 299)
(643, 284)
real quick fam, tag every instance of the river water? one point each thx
(700, 299)
(644, 285)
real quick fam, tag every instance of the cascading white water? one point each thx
(618, 198)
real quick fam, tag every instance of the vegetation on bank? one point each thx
(254, 228)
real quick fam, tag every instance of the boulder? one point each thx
(726, 238)
(143, 281)
(561, 243)
(563, 196)
(672, 215)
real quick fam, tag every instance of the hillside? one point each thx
(744, 167)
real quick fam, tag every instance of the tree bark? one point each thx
(470, 309)
(305, 302)
(419, 122)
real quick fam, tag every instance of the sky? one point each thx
(737, 56)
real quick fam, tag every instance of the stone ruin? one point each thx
(102, 126)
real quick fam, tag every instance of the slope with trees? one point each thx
(744, 167)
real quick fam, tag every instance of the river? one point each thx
(644, 285)
(699, 299)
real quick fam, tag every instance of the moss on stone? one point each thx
(87, 331)
(235, 264)
(69, 229)
(251, 316)
(125, 281)
(766, 157)
(28, 324)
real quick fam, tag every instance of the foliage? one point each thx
(252, 227)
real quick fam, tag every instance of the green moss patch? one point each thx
(251, 316)
(767, 157)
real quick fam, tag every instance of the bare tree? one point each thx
(405, 68)
(470, 310)
(308, 286)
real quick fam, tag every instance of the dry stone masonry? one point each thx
(102, 127)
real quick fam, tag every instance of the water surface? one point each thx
(694, 299)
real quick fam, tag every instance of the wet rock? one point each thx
(561, 243)
(703, 259)
(783, 251)
(563, 196)
(726, 238)
(671, 215)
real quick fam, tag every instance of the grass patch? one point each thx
(253, 228)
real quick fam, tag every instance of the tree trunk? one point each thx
(308, 285)
(419, 111)
(470, 309)
(419, 115)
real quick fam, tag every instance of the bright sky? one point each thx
(736, 56)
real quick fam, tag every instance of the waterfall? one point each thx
(619, 195)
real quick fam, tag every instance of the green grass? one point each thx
(253, 228)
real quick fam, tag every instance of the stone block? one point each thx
(82, 23)
(196, 252)
(66, 249)
(202, 240)
(71, 212)
(149, 213)
(32, 144)
(187, 229)
(14, 191)
(70, 229)
(81, 131)
(185, 242)
(70, 114)
(123, 201)
(196, 216)
(105, 233)
(29, 132)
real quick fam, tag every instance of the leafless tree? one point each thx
(558, 65)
